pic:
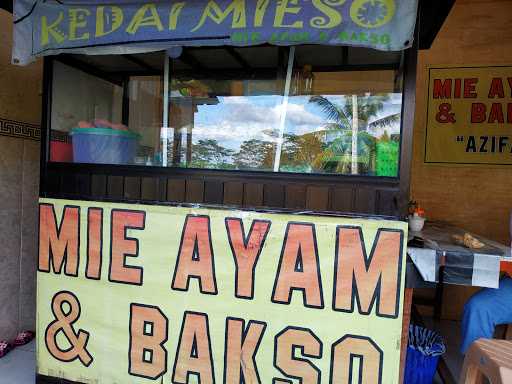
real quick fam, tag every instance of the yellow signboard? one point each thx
(469, 118)
(141, 294)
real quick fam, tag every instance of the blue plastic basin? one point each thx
(103, 146)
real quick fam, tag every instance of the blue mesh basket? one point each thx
(423, 352)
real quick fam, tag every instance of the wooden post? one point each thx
(405, 330)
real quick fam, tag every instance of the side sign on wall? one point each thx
(139, 294)
(469, 117)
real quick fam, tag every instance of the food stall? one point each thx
(222, 185)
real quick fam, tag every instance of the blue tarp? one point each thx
(47, 27)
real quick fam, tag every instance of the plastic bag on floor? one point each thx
(423, 352)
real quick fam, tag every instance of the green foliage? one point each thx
(387, 158)
(328, 150)
(299, 152)
(209, 154)
(337, 154)
(255, 154)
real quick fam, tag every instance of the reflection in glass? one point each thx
(353, 137)
(302, 121)
(304, 109)
(228, 124)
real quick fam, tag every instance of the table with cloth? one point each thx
(435, 259)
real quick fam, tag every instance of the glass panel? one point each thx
(225, 121)
(227, 132)
(145, 117)
(342, 122)
(330, 117)
(95, 119)
(304, 109)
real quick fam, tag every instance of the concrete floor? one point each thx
(19, 365)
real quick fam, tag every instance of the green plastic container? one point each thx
(387, 158)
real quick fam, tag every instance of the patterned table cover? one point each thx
(461, 265)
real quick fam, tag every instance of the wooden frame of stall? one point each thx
(346, 194)
(252, 190)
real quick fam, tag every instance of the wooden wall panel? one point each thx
(98, 186)
(115, 187)
(317, 198)
(52, 183)
(194, 191)
(213, 192)
(149, 188)
(365, 200)
(253, 195)
(387, 202)
(234, 193)
(162, 189)
(454, 299)
(83, 181)
(68, 183)
(343, 199)
(273, 195)
(295, 196)
(371, 199)
(132, 188)
(176, 190)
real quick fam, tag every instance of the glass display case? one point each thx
(305, 109)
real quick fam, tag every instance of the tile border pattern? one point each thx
(20, 129)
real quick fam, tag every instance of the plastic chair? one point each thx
(490, 358)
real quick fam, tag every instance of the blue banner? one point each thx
(102, 26)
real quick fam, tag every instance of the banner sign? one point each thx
(140, 294)
(103, 26)
(469, 117)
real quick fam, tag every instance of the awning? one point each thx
(49, 27)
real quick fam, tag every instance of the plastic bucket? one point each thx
(387, 158)
(103, 146)
(425, 348)
(61, 151)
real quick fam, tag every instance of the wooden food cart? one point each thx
(222, 185)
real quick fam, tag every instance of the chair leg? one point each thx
(444, 372)
(438, 305)
(471, 374)
(508, 332)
